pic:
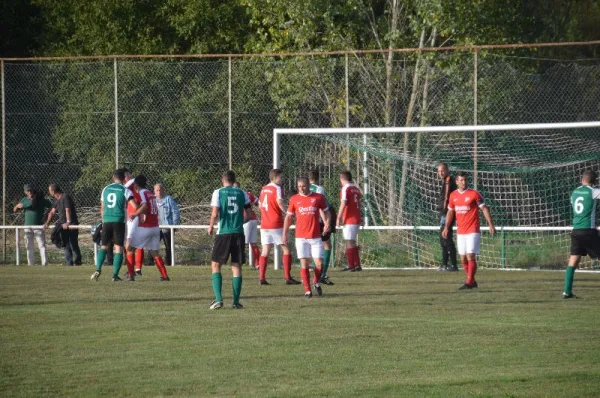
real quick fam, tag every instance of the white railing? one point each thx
(499, 229)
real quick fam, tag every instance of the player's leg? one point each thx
(582, 243)
(451, 247)
(117, 262)
(139, 260)
(316, 252)
(105, 236)
(28, 232)
(251, 238)
(461, 240)
(303, 250)
(267, 243)
(220, 255)
(152, 244)
(287, 266)
(237, 259)
(326, 259)
(570, 275)
(350, 232)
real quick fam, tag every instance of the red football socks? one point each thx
(262, 267)
(305, 273)
(472, 270)
(350, 256)
(465, 265)
(255, 254)
(356, 257)
(160, 264)
(129, 259)
(139, 259)
(317, 278)
(287, 266)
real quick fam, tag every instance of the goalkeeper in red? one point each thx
(584, 237)
(464, 203)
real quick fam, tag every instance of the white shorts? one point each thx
(468, 243)
(271, 236)
(132, 226)
(145, 238)
(251, 231)
(309, 248)
(350, 231)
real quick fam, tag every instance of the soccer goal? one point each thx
(526, 173)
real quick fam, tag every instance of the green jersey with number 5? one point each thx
(113, 198)
(583, 201)
(231, 202)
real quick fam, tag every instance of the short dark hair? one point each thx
(119, 174)
(125, 170)
(313, 175)
(229, 176)
(304, 180)
(56, 188)
(140, 181)
(273, 174)
(462, 174)
(590, 176)
(346, 175)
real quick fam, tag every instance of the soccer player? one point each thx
(137, 257)
(146, 235)
(270, 202)
(307, 206)
(584, 237)
(112, 211)
(313, 177)
(464, 204)
(350, 218)
(446, 244)
(228, 204)
(251, 229)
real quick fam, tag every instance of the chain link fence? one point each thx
(182, 122)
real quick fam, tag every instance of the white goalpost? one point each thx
(525, 171)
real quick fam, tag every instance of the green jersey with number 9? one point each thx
(231, 202)
(583, 201)
(113, 198)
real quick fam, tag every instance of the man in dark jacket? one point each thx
(447, 244)
(64, 208)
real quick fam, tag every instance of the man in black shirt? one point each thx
(447, 244)
(64, 207)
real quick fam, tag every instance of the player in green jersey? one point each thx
(313, 177)
(112, 211)
(228, 204)
(584, 237)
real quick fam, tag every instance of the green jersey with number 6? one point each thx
(113, 197)
(583, 200)
(231, 202)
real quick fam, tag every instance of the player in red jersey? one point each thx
(464, 203)
(306, 206)
(349, 216)
(251, 229)
(270, 203)
(147, 233)
(136, 258)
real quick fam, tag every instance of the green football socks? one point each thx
(569, 275)
(117, 261)
(236, 283)
(100, 259)
(217, 283)
(326, 260)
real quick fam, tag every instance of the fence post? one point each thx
(229, 114)
(475, 82)
(172, 246)
(276, 164)
(3, 163)
(503, 248)
(347, 100)
(17, 250)
(416, 252)
(116, 116)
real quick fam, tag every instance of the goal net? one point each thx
(526, 174)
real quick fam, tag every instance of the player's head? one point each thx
(127, 174)
(589, 177)
(140, 182)
(159, 190)
(461, 180)
(54, 190)
(29, 190)
(276, 176)
(345, 177)
(228, 178)
(118, 176)
(313, 176)
(303, 186)
(442, 170)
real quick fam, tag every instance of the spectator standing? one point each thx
(64, 208)
(447, 244)
(168, 211)
(34, 206)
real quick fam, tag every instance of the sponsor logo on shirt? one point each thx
(307, 210)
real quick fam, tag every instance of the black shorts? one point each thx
(585, 242)
(229, 244)
(113, 232)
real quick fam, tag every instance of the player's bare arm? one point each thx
(340, 216)
(449, 221)
(326, 214)
(281, 205)
(488, 217)
(249, 213)
(50, 217)
(214, 216)
(143, 209)
(287, 222)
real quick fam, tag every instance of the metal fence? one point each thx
(183, 120)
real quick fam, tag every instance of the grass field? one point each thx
(375, 333)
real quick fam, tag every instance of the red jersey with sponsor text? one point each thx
(306, 209)
(151, 216)
(271, 213)
(351, 195)
(466, 210)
